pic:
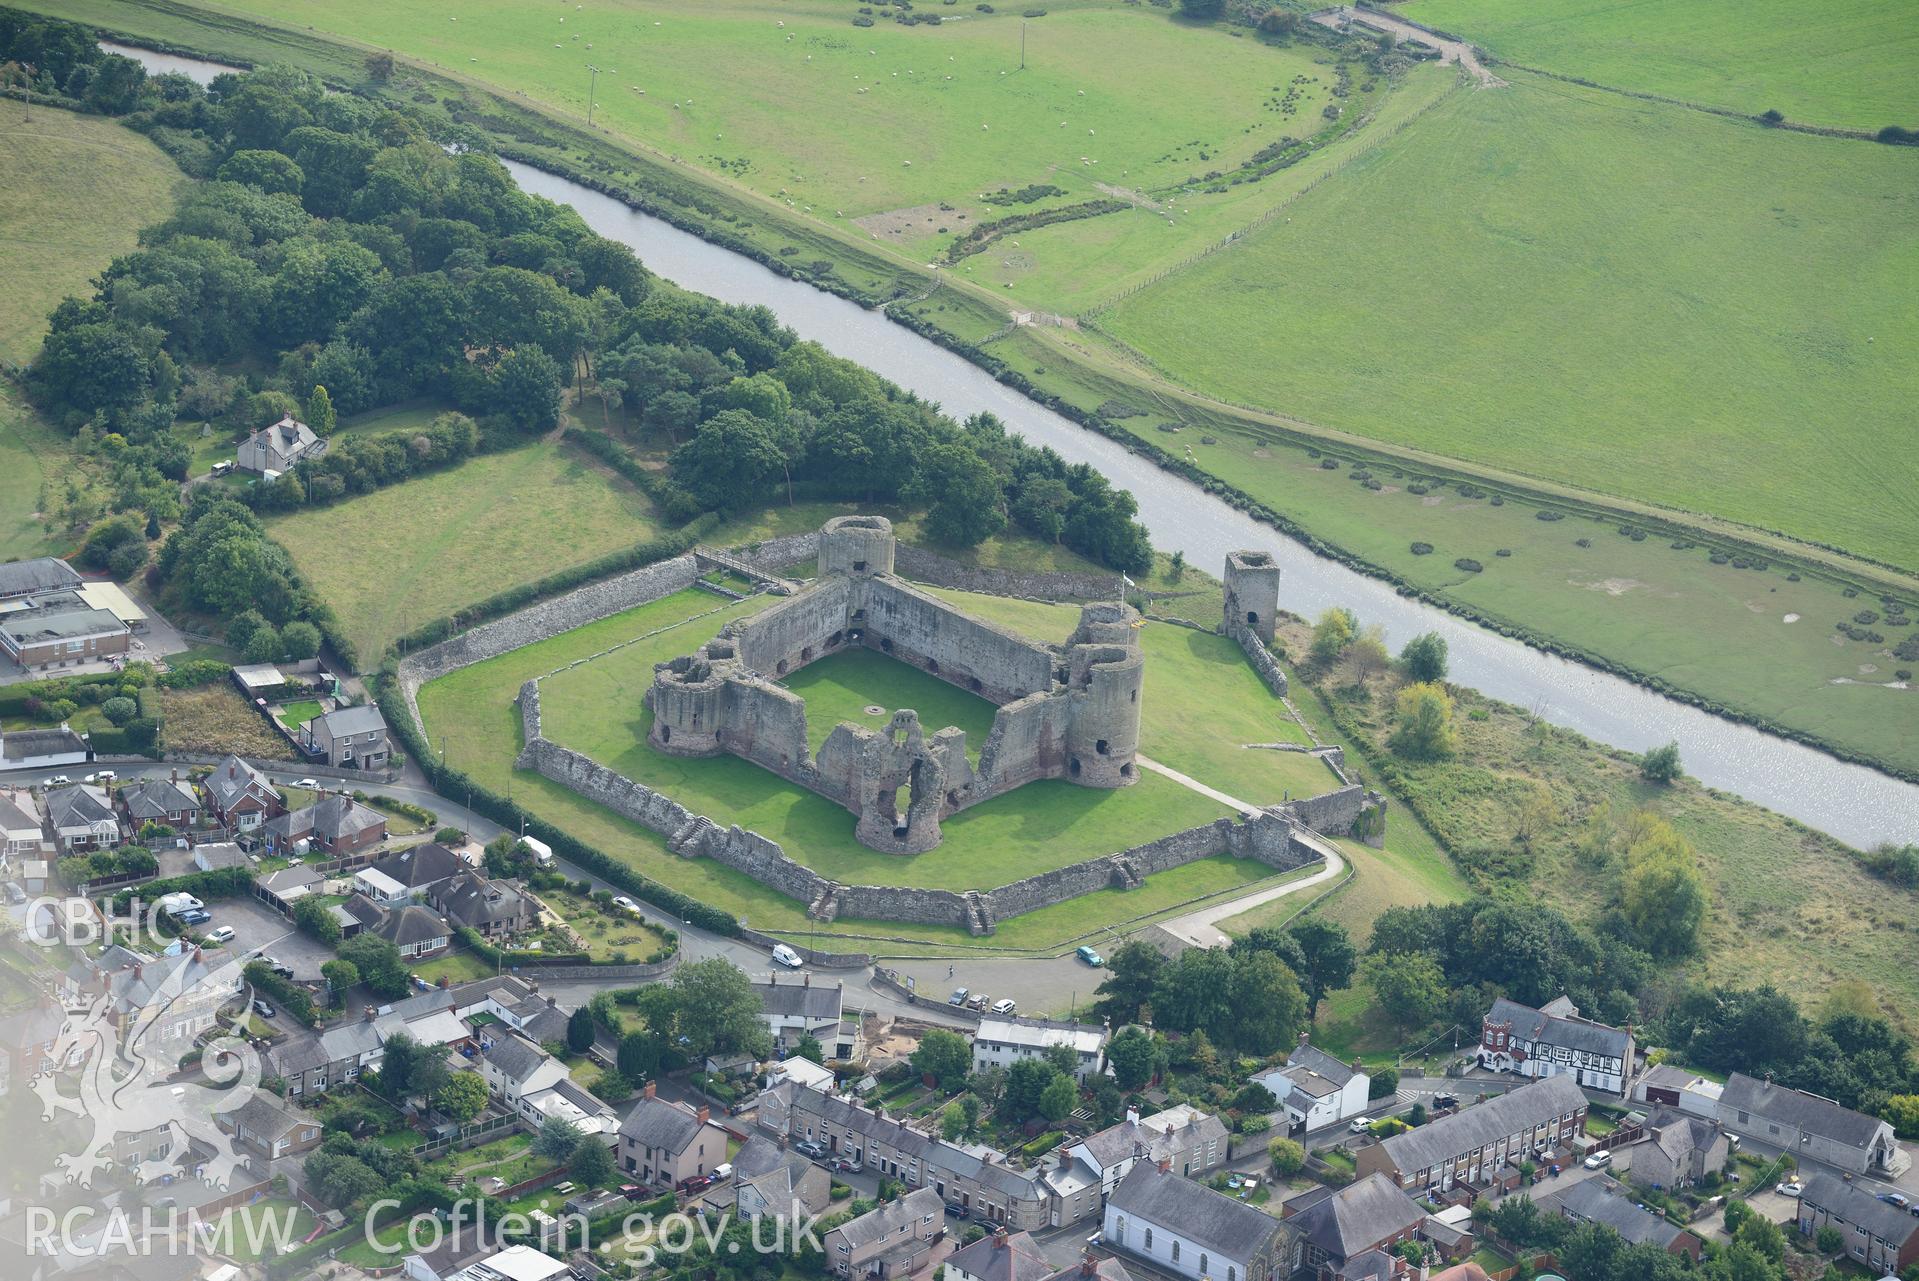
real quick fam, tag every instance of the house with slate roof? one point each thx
(1185, 1229)
(1554, 1041)
(160, 800)
(42, 748)
(21, 825)
(1682, 1150)
(1316, 1089)
(415, 871)
(416, 931)
(1015, 1256)
(1335, 1225)
(771, 1179)
(240, 796)
(976, 1179)
(1472, 1148)
(315, 1062)
(1604, 1201)
(665, 1142)
(799, 1009)
(1000, 1042)
(272, 450)
(491, 909)
(891, 1240)
(1877, 1235)
(535, 1086)
(1809, 1127)
(271, 1128)
(81, 817)
(349, 738)
(27, 1041)
(337, 825)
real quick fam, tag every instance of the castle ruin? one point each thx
(1069, 712)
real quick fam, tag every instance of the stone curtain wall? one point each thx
(1269, 836)
(776, 554)
(922, 566)
(1264, 664)
(541, 622)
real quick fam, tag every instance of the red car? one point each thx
(696, 1183)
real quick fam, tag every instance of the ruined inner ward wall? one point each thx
(1068, 712)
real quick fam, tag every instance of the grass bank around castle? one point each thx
(1848, 64)
(472, 712)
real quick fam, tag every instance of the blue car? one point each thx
(1091, 957)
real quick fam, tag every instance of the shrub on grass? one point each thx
(1422, 549)
(1504, 551)
(1548, 514)
(1468, 564)
(1329, 464)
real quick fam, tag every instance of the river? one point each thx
(1856, 804)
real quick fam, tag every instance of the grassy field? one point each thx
(1850, 63)
(840, 687)
(1621, 295)
(74, 190)
(398, 557)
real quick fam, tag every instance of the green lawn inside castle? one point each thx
(1201, 711)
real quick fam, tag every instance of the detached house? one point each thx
(798, 1010)
(269, 1127)
(416, 931)
(20, 825)
(349, 738)
(240, 796)
(666, 1143)
(412, 873)
(769, 1179)
(1002, 1042)
(1684, 1149)
(535, 1087)
(1555, 1041)
(272, 450)
(1603, 1201)
(336, 825)
(159, 800)
(1316, 1089)
(491, 909)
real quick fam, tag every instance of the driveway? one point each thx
(255, 926)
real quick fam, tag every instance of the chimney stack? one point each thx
(999, 1237)
(1166, 1165)
(1132, 1116)
(366, 1014)
(648, 1091)
(1089, 1266)
(703, 1113)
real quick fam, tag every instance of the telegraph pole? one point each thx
(1022, 44)
(592, 88)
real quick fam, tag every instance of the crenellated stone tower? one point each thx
(1252, 593)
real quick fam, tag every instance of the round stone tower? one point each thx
(688, 700)
(1252, 593)
(860, 546)
(1104, 674)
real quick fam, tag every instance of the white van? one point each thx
(787, 956)
(542, 852)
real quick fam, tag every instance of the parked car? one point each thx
(1360, 1125)
(223, 467)
(811, 1148)
(309, 783)
(626, 904)
(15, 894)
(955, 1210)
(847, 1164)
(262, 1009)
(1088, 955)
(193, 916)
(633, 1191)
(223, 934)
(1005, 1005)
(1895, 1198)
(1791, 1187)
(977, 1001)
(1445, 1102)
(696, 1182)
(958, 997)
(1599, 1160)
(58, 780)
(786, 956)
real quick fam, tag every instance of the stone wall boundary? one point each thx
(922, 566)
(1265, 666)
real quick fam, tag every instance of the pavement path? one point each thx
(1147, 762)
(1201, 928)
(1455, 51)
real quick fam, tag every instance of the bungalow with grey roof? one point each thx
(491, 909)
(288, 886)
(58, 631)
(42, 748)
(336, 824)
(1809, 1127)
(159, 800)
(418, 869)
(1601, 1200)
(81, 817)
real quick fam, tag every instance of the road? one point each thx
(1455, 51)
